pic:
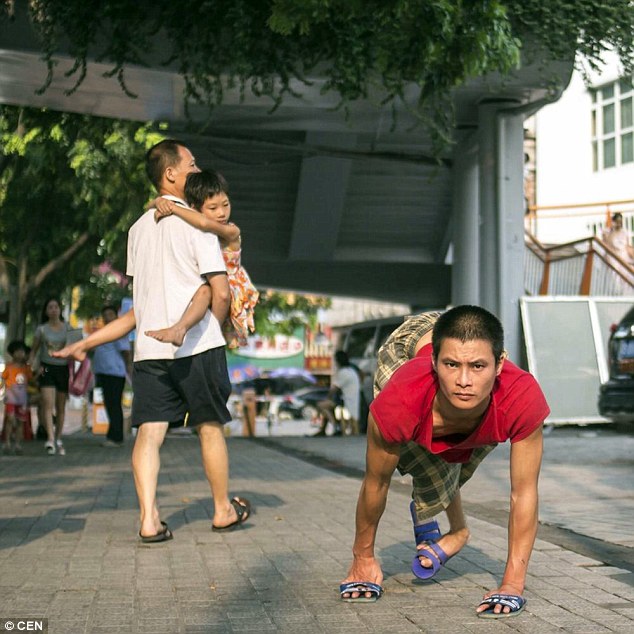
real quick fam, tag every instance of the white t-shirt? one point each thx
(619, 241)
(168, 260)
(347, 380)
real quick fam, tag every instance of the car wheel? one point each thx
(309, 412)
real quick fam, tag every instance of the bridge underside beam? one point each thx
(421, 285)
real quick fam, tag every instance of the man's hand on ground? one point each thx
(364, 569)
(503, 589)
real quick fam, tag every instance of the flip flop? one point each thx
(162, 536)
(363, 587)
(427, 534)
(512, 601)
(243, 510)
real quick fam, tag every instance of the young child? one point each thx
(208, 193)
(16, 377)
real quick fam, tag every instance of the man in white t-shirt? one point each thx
(346, 380)
(169, 261)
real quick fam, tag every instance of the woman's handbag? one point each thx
(80, 377)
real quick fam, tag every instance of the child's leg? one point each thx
(18, 429)
(10, 421)
(192, 315)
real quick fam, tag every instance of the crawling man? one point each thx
(445, 397)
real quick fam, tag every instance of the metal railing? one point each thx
(597, 215)
(581, 267)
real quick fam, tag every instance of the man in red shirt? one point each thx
(447, 396)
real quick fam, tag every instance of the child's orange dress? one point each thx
(244, 297)
(16, 379)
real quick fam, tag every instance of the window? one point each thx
(612, 124)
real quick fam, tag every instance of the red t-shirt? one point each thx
(403, 409)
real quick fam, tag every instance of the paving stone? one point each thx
(72, 555)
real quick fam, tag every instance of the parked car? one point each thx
(302, 403)
(362, 341)
(616, 397)
(2, 386)
(269, 389)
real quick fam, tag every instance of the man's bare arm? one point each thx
(220, 295)
(381, 460)
(526, 458)
(110, 332)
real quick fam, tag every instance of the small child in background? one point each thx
(208, 193)
(16, 377)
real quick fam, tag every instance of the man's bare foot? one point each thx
(227, 517)
(451, 543)
(173, 335)
(150, 527)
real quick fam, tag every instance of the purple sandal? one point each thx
(428, 534)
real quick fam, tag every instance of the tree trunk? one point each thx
(25, 286)
(18, 294)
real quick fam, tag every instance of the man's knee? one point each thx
(152, 433)
(210, 431)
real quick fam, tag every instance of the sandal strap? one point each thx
(435, 549)
(515, 602)
(430, 531)
(361, 586)
(427, 532)
(241, 506)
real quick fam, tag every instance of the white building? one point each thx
(584, 155)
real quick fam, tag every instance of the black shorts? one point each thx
(167, 389)
(54, 376)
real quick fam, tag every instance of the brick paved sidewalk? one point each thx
(69, 552)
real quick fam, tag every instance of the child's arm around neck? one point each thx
(228, 233)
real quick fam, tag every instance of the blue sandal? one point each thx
(363, 587)
(428, 534)
(512, 601)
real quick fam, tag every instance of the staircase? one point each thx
(581, 267)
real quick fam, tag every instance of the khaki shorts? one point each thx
(435, 481)
(400, 345)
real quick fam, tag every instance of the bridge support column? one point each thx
(501, 157)
(465, 275)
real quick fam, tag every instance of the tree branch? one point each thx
(55, 263)
(6, 160)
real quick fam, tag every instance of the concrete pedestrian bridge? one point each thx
(351, 206)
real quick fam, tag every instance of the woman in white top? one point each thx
(618, 238)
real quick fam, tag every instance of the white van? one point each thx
(362, 342)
